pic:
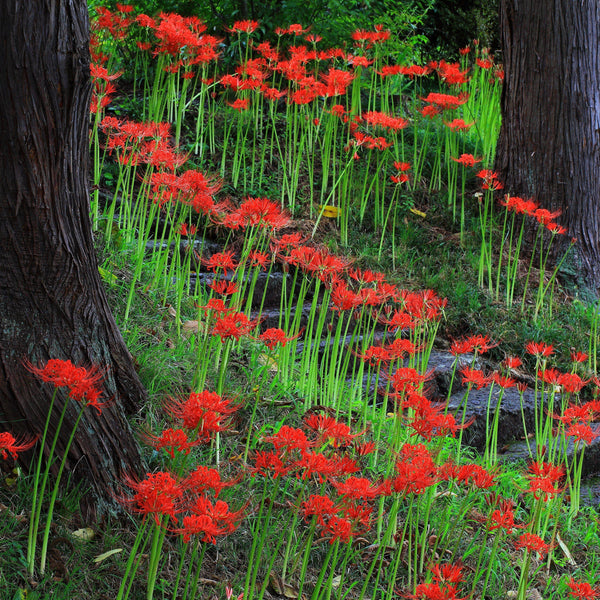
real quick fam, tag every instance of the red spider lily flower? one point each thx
(200, 406)
(582, 590)
(582, 432)
(172, 440)
(447, 573)
(216, 307)
(401, 178)
(416, 470)
(209, 520)
(512, 362)
(544, 216)
(385, 121)
(549, 376)
(337, 81)
(313, 38)
(465, 50)
(571, 382)
(401, 166)
(273, 336)
(259, 259)
(82, 382)
(446, 101)
(9, 444)
(519, 205)
(539, 349)
(556, 229)
(221, 260)
(502, 380)
(262, 212)
(289, 438)
(240, 104)
(451, 73)
(503, 518)
(578, 357)
(429, 420)
(320, 506)
(316, 463)
(244, 27)
(340, 528)
(186, 230)
(223, 287)
(232, 325)
(361, 488)
(157, 495)
(400, 320)
(330, 430)
(490, 180)
(266, 463)
(533, 543)
(476, 476)
(467, 160)
(400, 348)
(405, 378)
(375, 355)
(458, 125)
(343, 298)
(434, 591)
(542, 479)
(204, 478)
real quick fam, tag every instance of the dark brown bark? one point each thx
(549, 146)
(52, 303)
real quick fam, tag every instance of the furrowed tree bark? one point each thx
(52, 303)
(549, 146)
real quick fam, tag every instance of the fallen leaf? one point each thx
(105, 555)
(85, 535)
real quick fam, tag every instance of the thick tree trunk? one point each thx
(549, 146)
(52, 303)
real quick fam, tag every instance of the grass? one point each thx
(299, 426)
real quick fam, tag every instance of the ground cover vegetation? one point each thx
(287, 235)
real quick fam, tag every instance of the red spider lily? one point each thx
(221, 260)
(203, 410)
(533, 543)
(475, 343)
(451, 73)
(330, 430)
(273, 336)
(157, 495)
(512, 362)
(187, 230)
(571, 382)
(232, 325)
(582, 432)
(259, 259)
(446, 101)
(434, 591)
(244, 27)
(446, 573)
(172, 440)
(549, 376)
(519, 205)
(416, 470)
(240, 104)
(323, 467)
(544, 216)
(319, 506)
(539, 349)
(502, 380)
(467, 160)
(270, 463)
(216, 307)
(429, 420)
(82, 382)
(400, 348)
(289, 438)
(400, 320)
(336, 82)
(209, 520)
(484, 63)
(405, 378)
(361, 488)
(262, 212)
(503, 518)
(476, 377)
(458, 125)
(384, 120)
(578, 357)
(375, 355)
(223, 287)
(542, 479)
(582, 590)
(204, 478)
(9, 444)
(343, 298)
(476, 476)
(490, 180)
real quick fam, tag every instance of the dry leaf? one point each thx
(105, 555)
(85, 535)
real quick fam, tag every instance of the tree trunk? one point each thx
(549, 141)
(52, 303)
